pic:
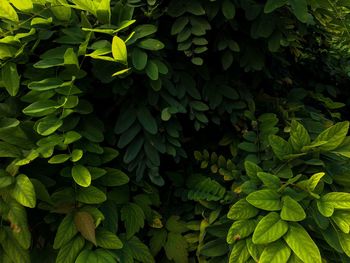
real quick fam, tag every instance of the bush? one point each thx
(174, 131)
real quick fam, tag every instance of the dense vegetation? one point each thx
(174, 131)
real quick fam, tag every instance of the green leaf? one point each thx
(299, 8)
(139, 58)
(90, 195)
(313, 181)
(176, 248)
(76, 155)
(23, 5)
(138, 250)
(280, 147)
(65, 232)
(133, 217)
(12, 248)
(292, 210)
(151, 44)
(179, 25)
(71, 136)
(157, 240)
(108, 240)
(81, 175)
(341, 219)
(272, 5)
(269, 180)
(60, 10)
(240, 229)
(333, 136)
(59, 158)
(239, 253)
(152, 70)
(276, 252)
(23, 191)
(114, 177)
(10, 77)
(299, 137)
(121, 72)
(69, 252)
(344, 240)
(84, 223)
(41, 108)
(252, 169)
(302, 244)
(48, 125)
(147, 120)
(104, 11)
(269, 229)
(228, 9)
(47, 84)
(7, 11)
(119, 50)
(242, 210)
(265, 199)
(333, 200)
(214, 248)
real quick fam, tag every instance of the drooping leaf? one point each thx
(133, 217)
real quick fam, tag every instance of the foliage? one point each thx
(103, 104)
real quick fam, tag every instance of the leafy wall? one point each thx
(174, 131)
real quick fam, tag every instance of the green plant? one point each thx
(103, 102)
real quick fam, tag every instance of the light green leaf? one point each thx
(70, 58)
(302, 244)
(23, 5)
(60, 10)
(265, 199)
(269, 229)
(344, 240)
(108, 240)
(242, 210)
(7, 11)
(121, 72)
(24, 192)
(65, 232)
(292, 210)
(104, 11)
(41, 108)
(314, 180)
(48, 125)
(342, 220)
(299, 137)
(81, 175)
(76, 155)
(272, 5)
(133, 217)
(119, 50)
(240, 229)
(239, 253)
(277, 252)
(333, 136)
(59, 158)
(10, 78)
(47, 84)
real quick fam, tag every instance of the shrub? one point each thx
(103, 104)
